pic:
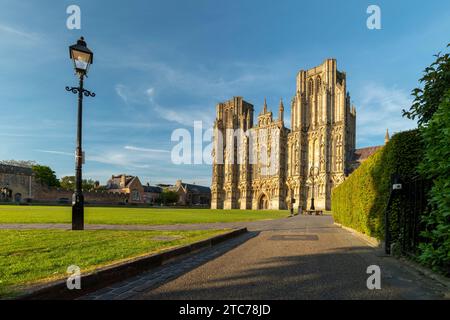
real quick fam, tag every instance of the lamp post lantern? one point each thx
(82, 58)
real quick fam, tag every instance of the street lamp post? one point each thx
(312, 177)
(82, 58)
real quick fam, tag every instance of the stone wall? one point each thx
(19, 185)
(93, 197)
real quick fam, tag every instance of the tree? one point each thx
(436, 167)
(168, 197)
(45, 175)
(436, 83)
(89, 185)
(431, 107)
(68, 183)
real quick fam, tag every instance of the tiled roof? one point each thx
(195, 188)
(363, 153)
(152, 189)
(4, 168)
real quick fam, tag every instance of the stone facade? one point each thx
(191, 194)
(16, 183)
(19, 185)
(152, 194)
(317, 151)
(127, 185)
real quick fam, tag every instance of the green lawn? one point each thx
(34, 256)
(149, 216)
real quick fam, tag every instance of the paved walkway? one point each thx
(251, 225)
(305, 257)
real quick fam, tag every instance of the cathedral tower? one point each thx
(323, 135)
(233, 118)
(305, 162)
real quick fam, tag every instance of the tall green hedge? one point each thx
(360, 201)
(435, 250)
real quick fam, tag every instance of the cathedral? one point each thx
(264, 165)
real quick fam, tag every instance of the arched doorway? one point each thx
(18, 197)
(263, 203)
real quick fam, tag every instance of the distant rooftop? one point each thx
(152, 189)
(362, 154)
(193, 188)
(6, 168)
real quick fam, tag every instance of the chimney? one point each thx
(123, 180)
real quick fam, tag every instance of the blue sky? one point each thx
(160, 65)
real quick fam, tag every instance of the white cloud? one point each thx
(150, 92)
(184, 115)
(130, 157)
(380, 109)
(133, 148)
(187, 117)
(56, 152)
(8, 30)
(121, 92)
(121, 124)
(126, 157)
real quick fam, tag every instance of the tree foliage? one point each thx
(45, 175)
(436, 80)
(432, 109)
(436, 167)
(168, 197)
(68, 183)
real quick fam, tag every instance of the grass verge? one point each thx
(30, 257)
(148, 216)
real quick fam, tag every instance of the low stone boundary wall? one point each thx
(101, 197)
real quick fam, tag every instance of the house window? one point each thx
(135, 196)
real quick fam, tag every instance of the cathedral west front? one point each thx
(258, 163)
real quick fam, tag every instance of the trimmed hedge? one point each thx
(435, 250)
(360, 201)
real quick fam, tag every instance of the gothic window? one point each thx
(311, 87)
(318, 84)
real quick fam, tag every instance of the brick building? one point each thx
(192, 194)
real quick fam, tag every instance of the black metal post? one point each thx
(387, 232)
(78, 198)
(312, 195)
